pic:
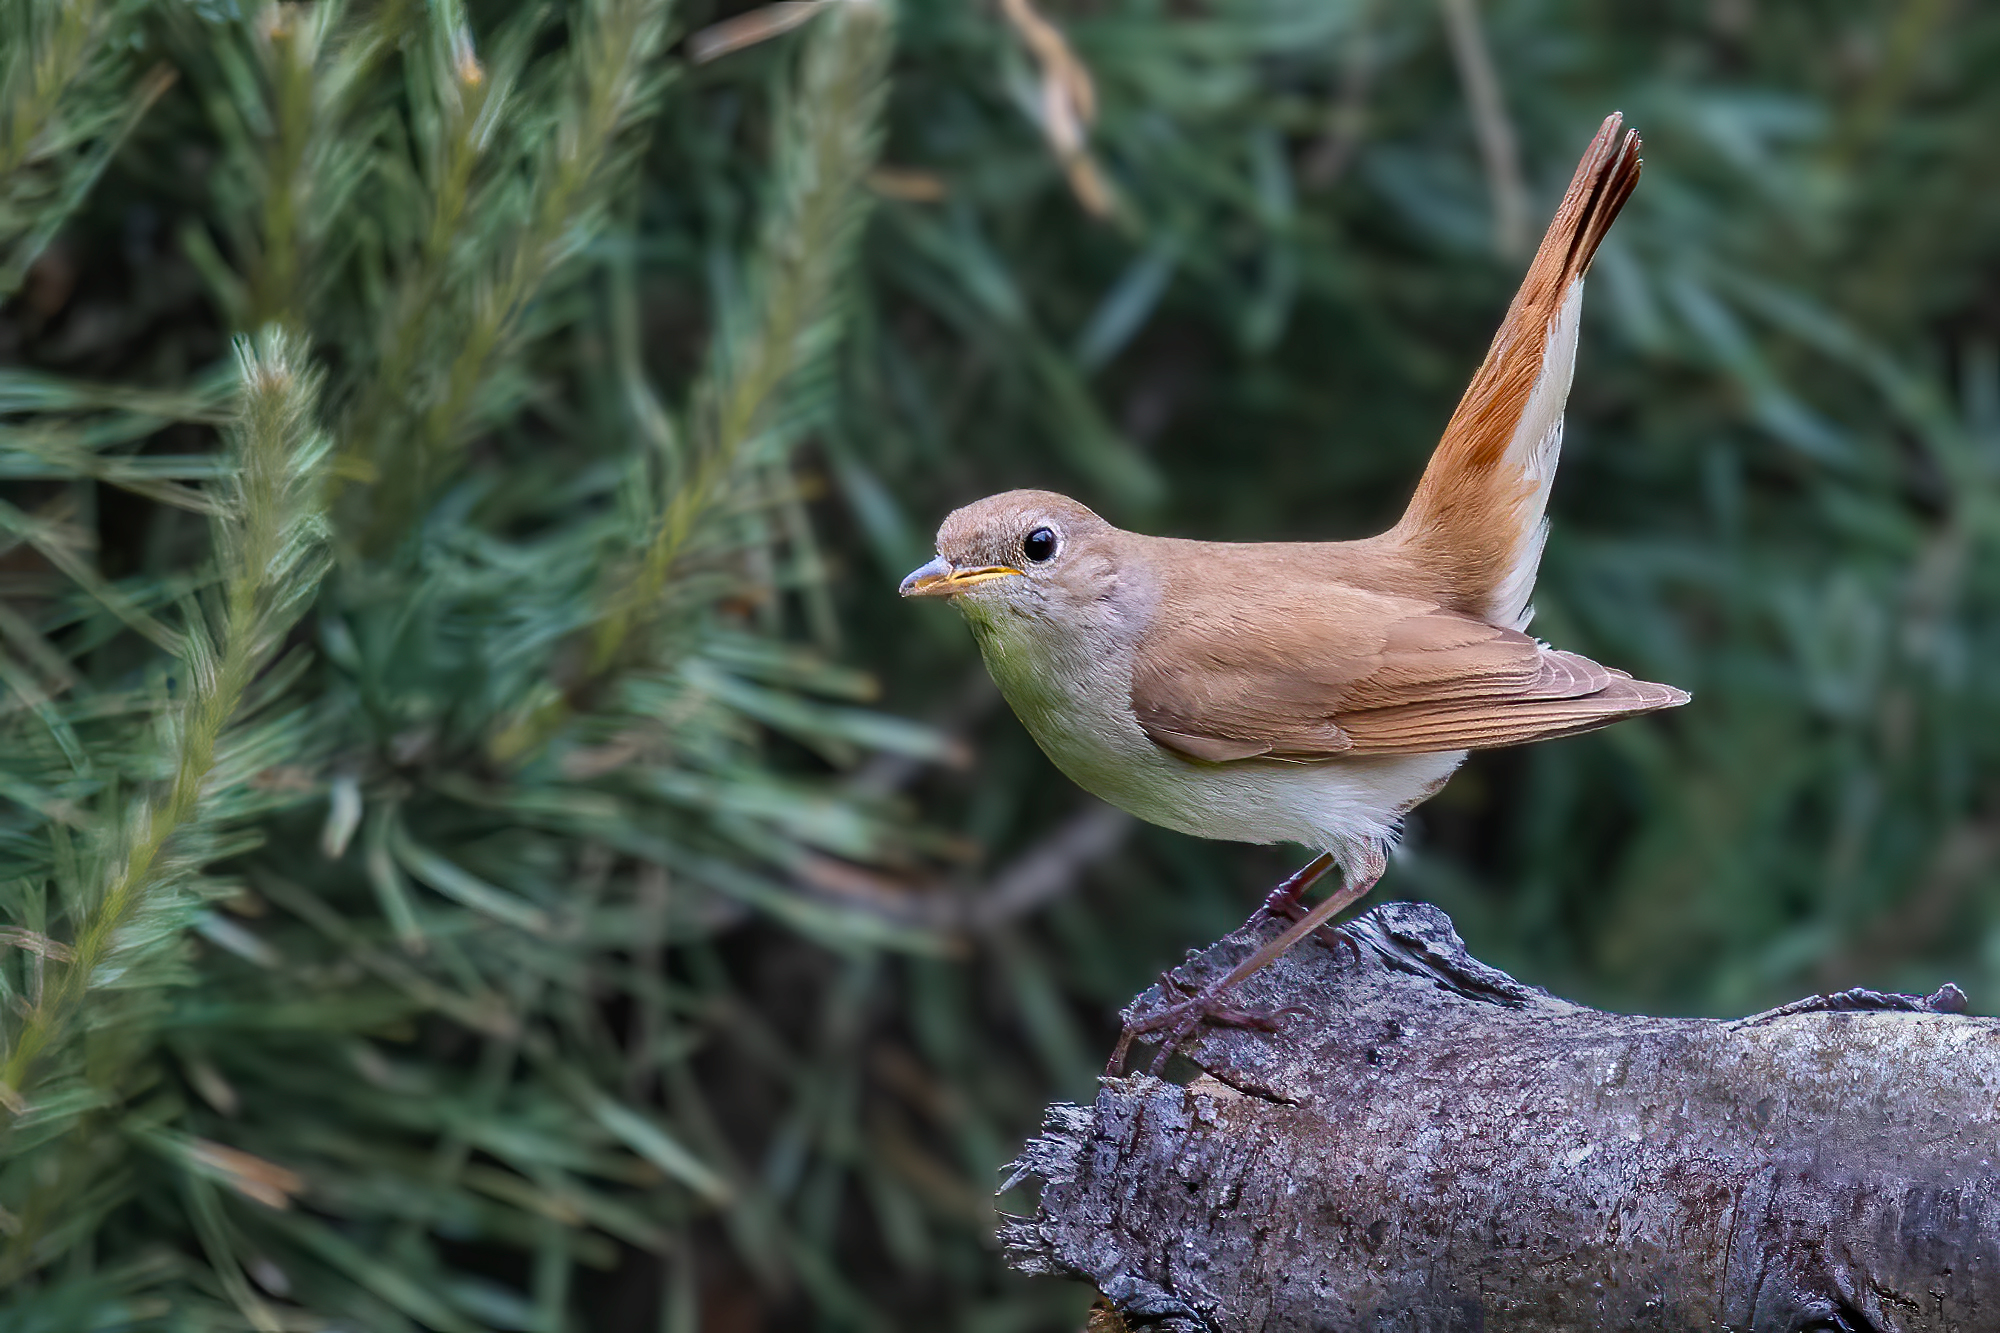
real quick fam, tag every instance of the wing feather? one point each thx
(1241, 666)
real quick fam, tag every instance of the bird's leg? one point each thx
(1287, 901)
(1285, 898)
(1181, 1018)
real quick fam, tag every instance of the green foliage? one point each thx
(456, 866)
(72, 93)
(126, 897)
(515, 748)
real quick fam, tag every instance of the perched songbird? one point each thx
(1309, 692)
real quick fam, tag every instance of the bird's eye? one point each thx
(1040, 545)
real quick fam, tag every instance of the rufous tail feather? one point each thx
(1476, 523)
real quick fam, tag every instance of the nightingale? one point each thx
(1309, 692)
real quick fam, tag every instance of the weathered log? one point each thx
(1426, 1144)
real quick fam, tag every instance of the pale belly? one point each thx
(1333, 806)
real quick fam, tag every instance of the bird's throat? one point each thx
(1071, 686)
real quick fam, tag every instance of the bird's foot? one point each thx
(1177, 1021)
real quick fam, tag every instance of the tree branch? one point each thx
(1427, 1144)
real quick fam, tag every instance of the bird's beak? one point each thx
(941, 578)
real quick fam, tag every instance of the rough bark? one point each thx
(1427, 1144)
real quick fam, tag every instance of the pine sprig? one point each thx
(270, 538)
(609, 85)
(830, 137)
(423, 921)
(764, 371)
(67, 101)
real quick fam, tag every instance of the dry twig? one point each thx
(1068, 104)
(1495, 132)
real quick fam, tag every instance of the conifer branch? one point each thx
(611, 87)
(293, 37)
(300, 151)
(65, 107)
(461, 104)
(45, 67)
(270, 539)
(830, 138)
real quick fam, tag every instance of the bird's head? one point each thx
(1020, 550)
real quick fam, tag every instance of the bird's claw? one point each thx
(1259, 1020)
(1180, 1017)
(1179, 1020)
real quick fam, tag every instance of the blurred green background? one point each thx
(483, 847)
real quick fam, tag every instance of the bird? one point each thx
(1309, 692)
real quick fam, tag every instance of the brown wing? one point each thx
(1310, 669)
